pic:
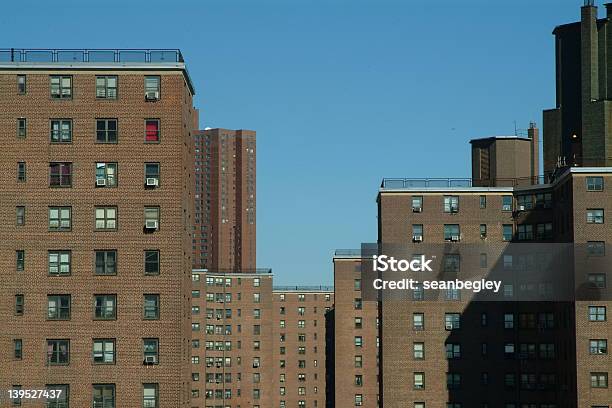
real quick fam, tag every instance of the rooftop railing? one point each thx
(306, 288)
(40, 55)
(256, 271)
(401, 183)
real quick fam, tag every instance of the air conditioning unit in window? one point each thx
(448, 326)
(150, 360)
(455, 238)
(417, 209)
(152, 182)
(521, 208)
(454, 210)
(101, 182)
(417, 238)
(152, 224)
(152, 95)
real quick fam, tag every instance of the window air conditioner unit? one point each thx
(150, 360)
(417, 209)
(449, 326)
(455, 238)
(521, 208)
(454, 210)
(152, 182)
(417, 238)
(152, 224)
(101, 182)
(152, 95)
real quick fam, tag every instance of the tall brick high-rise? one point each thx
(225, 219)
(95, 245)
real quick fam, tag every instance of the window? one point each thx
(599, 380)
(104, 396)
(419, 380)
(151, 262)
(597, 280)
(483, 231)
(508, 321)
(596, 248)
(597, 313)
(105, 307)
(106, 130)
(22, 127)
(20, 214)
(417, 203)
(19, 305)
(20, 255)
(106, 218)
(106, 87)
(17, 399)
(525, 232)
(358, 303)
(595, 216)
(152, 131)
(58, 307)
(152, 174)
(418, 350)
(151, 217)
(60, 218)
(453, 351)
(152, 86)
(506, 203)
(21, 172)
(419, 405)
(417, 232)
(59, 263)
(451, 204)
(61, 396)
(483, 202)
(595, 183)
(598, 346)
(61, 87)
(106, 174)
(418, 321)
(358, 341)
(106, 262)
(452, 263)
(358, 322)
(104, 351)
(452, 232)
(358, 361)
(21, 84)
(525, 202)
(507, 232)
(17, 349)
(151, 307)
(509, 350)
(453, 381)
(60, 174)
(61, 131)
(150, 395)
(58, 352)
(452, 321)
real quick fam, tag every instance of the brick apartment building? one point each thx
(225, 200)
(96, 241)
(255, 345)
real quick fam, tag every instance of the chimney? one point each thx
(589, 51)
(533, 133)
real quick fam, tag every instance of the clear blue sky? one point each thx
(342, 93)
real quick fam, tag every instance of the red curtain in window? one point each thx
(152, 131)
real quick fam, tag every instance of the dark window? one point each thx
(596, 248)
(595, 183)
(452, 263)
(60, 174)
(61, 131)
(106, 130)
(452, 321)
(21, 84)
(58, 352)
(106, 87)
(61, 87)
(453, 351)
(483, 201)
(151, 307)
(104, 351)
(22, 127)
(20, 255)
(105, 307)
(104, 396)
(21, 171)
(483, 231)
(453, 381)
(507, 232)
(19, 305)
(106, 262)
(152, 130)
(152, 262)
(58, 307)
(18, 349)
(597, 280)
